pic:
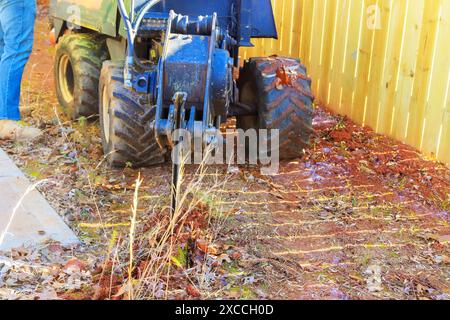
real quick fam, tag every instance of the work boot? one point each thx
(11, 130)
(26, 111)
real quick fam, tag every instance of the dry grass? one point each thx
(168, 234)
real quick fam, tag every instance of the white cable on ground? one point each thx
(19, 203)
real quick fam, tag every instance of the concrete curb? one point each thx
(32, 222)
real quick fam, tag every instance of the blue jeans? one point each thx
(16, 43)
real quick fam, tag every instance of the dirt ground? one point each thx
(359, 217)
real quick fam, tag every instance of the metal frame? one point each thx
(164, 123)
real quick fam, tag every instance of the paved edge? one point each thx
(35, 221)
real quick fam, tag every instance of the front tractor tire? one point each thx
(125, 118)
(78, 62)
(279, 89)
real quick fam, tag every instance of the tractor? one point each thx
(149, 67)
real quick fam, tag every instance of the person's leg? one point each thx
(17, 19)
(2, 44)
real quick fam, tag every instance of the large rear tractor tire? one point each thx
(78, 62)
(125, 118)
(280, 91)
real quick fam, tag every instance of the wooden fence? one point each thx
(384, 63)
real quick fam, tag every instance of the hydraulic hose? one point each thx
(132, 28)
(144, 10)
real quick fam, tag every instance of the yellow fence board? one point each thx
(378, 59)
(437, 95)
(391, 74)
(444, 145)
(359, 106)
(406, 68)
(329, 11)
(315, 43)
(354, 29)
(340, 29)
(422, 76)
(287, 27)
(296, 27)
(383, 63)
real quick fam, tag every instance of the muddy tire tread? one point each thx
(132, 141)
(87, 53)
(286, 108)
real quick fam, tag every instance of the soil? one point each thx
(360, 216)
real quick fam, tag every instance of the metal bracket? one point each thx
(179, 113)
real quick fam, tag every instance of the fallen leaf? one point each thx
(233, 170)
(222, 259)
(74, 266)
(205, 247)
(438, 259)
(55, 248)
(249, 280)
(236, 255)
(100, 293)
(234, 294)
(193, 291)
(374, 282)
(421, 289)
(48, 294)
(364, 166)
(446, 260)
(124, 290)
(8, 294)
(442, 239)
(356, 277)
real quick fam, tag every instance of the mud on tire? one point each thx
(125, 118)
(78, 62)
(288, 108)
